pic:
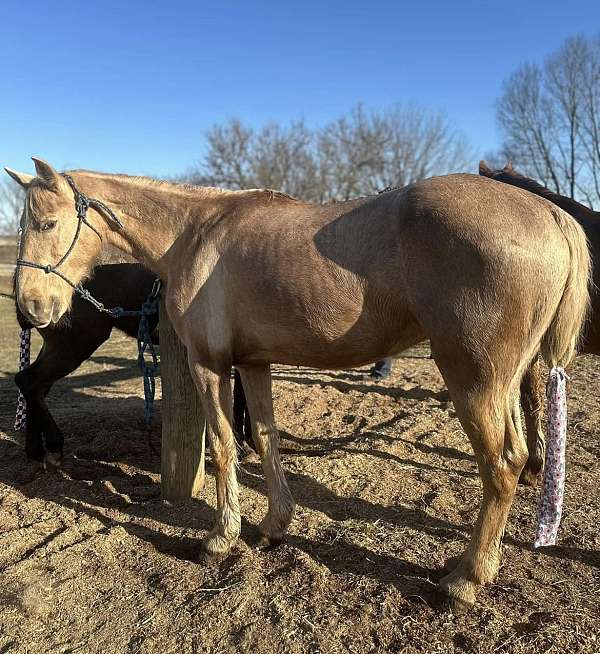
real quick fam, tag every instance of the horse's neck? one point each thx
(154, 216)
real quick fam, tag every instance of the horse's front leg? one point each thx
(34, 399)
(215, 395)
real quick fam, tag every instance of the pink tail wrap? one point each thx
(553, 485)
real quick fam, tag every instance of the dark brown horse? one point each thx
(532, 388)
(78, 334)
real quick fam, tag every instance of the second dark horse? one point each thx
(74, 339)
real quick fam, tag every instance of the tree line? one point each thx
(548, 116)
(360, 153)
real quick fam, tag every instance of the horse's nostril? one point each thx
(36, 312)
(34, 308)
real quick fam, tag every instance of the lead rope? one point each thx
(553, 484)
(146, 346)
(24, 358)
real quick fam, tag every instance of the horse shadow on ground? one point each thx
(354, 384)
(314, 447)
(90, 484)
(96, 498)
(98, 488)
(84, 433)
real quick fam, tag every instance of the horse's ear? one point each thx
(484, 169)
(23, 179)
(509, 167)
(46, 173)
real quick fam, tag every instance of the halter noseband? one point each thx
(82, 204)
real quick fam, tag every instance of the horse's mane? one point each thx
(150, 182)
(509, 175)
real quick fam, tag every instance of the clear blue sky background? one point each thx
(132, 86)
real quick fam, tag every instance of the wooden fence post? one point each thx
(183, 425)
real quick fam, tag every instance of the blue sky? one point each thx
(133, 86)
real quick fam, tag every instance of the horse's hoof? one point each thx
(459, 593)
(53, 460)
(271, 532)
(456, 605)
(265, 542)
(529, 477)
(215, 548)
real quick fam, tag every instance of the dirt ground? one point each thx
(93, 561)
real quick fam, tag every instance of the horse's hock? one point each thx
(183, 425)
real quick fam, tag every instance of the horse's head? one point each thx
(51, 229)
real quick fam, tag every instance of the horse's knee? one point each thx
(505, 469)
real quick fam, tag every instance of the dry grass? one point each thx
(93, 561)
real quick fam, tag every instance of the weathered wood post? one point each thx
(183, 425)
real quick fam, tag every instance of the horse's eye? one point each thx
(46, 227)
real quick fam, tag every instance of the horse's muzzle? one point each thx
(41, 313)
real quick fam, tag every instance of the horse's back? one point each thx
(348, 283)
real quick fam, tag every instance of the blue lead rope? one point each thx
(148, 366)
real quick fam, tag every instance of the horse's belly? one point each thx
(327, 345)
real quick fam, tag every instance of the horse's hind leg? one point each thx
(257, 384)
(486, 408)
(532, 401)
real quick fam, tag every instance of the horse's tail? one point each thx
(561, 339)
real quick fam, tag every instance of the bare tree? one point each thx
(358, 154)
(12, 198)
(590, 118)
(368, 151)
(549, 118)
(274, 157)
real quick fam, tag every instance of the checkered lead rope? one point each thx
(24, 348)
(553, 485)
